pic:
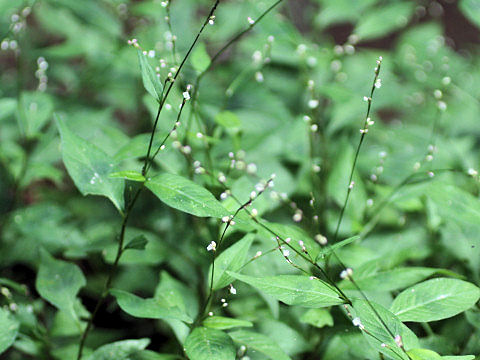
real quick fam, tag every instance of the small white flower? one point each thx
(232, 290)
(357, 322)
(378, 83)
(259, 77)
(322, 240)
(254, 212)
(253, 195)
(287, 240)
(226, 219)
(223, 195)
(297, 217)
(258, 254)
(251, 168)
(366, 98)
(286, 253)
(212, 246)
(313, 103)
(250, 20)
(352, 184)
(186, 95)
(398, 340)
(472, 172)
(446, 80)
(346, 273)
(442, 105)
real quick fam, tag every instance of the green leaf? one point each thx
(222, 323)
(35, 109)
(471, 10)
(317, 317)
(150, 80)
(423, 354)
(435, 299)
(58, 282)
(176, 294)
(295, 289)
(260, 343)
(459, 357)
(89, 167)
(129, 175)
(184, 195)
(120, 350)
(153, 308)
(200, 58)
(390, 280)
(8, 330)
(383, 20)
(208, 344)
(138, 243)
(232, 259)
(376, 333)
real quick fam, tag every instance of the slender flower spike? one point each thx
(212, 246)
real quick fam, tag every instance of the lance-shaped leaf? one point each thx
(89, 167)
(58, 282)
(295, 289)
(151, 81)
(208, 344)
(435, 299)
(153, 308)
(185, 195)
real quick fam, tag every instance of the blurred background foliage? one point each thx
(285, 99)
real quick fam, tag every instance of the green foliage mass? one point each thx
(244, 179)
